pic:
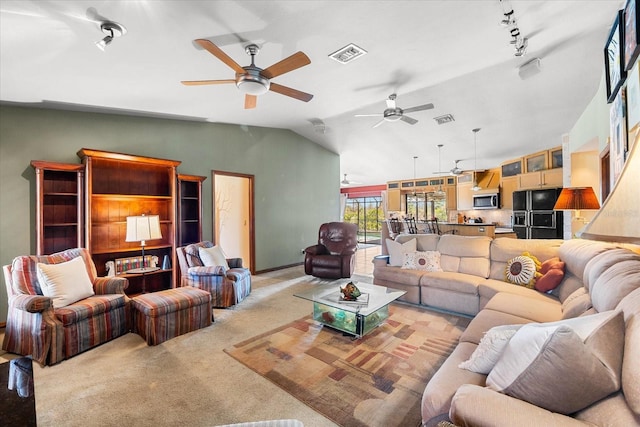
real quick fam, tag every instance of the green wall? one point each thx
(296, 180)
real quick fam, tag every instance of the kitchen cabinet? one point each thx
(393, 197)
(507, 186)
(555, 158)
(536, 162)
(511, 168)
(540, 179)
(465, 193)
(452, 197)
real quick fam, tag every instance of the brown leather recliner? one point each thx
(334, 255)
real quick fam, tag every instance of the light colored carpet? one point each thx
(186, 381)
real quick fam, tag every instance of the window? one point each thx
(368, 214)
(424, 206)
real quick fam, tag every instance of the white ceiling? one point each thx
(453, 54)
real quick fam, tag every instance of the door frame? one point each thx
(251, 178)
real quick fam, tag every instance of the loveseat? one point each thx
(52, 328)
(599, 289)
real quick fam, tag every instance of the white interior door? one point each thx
(232, 215)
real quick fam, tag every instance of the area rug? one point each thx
(376, 380)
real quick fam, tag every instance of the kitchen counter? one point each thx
(466, 229)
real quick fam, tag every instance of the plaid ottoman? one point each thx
(160, 316)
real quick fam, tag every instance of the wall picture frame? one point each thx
(613, 58)
(631, 35)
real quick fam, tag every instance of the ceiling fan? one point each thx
(453, 171)
(253, 80)
(345, 181)
(394, 113)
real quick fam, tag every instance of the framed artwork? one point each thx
(618, 145)
(631, 41)
(613, 58)
(633, 99)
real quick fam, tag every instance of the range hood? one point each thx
(488, 181)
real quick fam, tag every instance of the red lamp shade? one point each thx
(577, 198)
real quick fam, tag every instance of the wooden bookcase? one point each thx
(189, 209)
(121, 185)
(59, 189)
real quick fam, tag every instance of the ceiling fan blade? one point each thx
(218, 53)
(293, 62)
(409, 120)
(206, 82)
(250, 101)
(379, 123)
(293, 93)
(418, 108)
(369, 115)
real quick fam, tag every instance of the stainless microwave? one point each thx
(486, 201)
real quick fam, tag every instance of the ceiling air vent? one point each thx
(447, 118)
(348, 53)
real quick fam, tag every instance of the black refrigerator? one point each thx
(533, 214)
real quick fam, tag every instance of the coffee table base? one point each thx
(346, 321)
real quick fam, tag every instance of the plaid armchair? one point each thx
(49, 335)
(227, 286)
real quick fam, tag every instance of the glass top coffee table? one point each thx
(358, 317)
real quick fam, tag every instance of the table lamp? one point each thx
(577, 198)
(140, 229)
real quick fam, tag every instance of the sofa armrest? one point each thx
(31, 303)
(473, 405)
(234, 262)
(316, 250)
(217, 270)
(110, 285)
(380, 260)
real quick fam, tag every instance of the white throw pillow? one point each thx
(66, 282)
(213, 257)
(397, 250)
(422, 260)
(490, 348)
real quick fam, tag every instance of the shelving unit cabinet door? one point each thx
(59, 204)
(189, 209)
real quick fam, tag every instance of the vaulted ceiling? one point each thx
(454, 54)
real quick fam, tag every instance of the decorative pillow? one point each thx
(521, 270)
(212, 257)
(490, 348)
(552, 271)
(563, 368)
(397, 250)
(427, 261)
(576, 304)
(65, 282)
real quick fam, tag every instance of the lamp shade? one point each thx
(143, 227)
(577, 198)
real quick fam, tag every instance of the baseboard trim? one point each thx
(279, 268)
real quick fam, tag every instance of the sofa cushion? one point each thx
(489, 349)
(424, 242)
(397, 250)
(455, 282)
(502, 250)
(576, 304)
(487, 319)
(89, 307)
(463, 254)
(399, 275)
(586, 356)
(426, 261)
(576, 253)
(618, 277)
(66, 282)
(536, 310)
(630, 306)
(489, 288)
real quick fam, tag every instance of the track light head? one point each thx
(112, 30)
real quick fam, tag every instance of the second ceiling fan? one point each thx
(253, 80)
(394, 113)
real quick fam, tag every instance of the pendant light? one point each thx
(440, 190)
(475, 131)
(414, 175)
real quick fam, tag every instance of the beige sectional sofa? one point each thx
(600, 281)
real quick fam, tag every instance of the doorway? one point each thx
(233, 215)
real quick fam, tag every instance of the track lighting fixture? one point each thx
(112, 30)
(509, 21)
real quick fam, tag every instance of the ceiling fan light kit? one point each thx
(112, 30)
